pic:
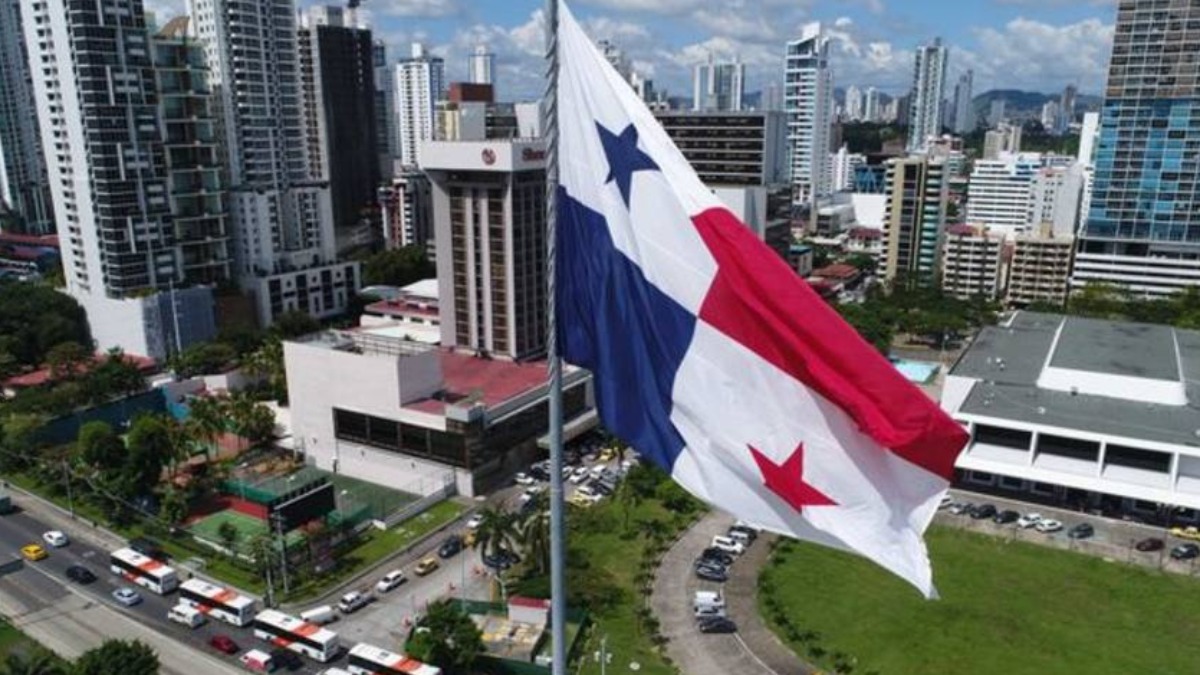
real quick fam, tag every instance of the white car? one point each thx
(389, 581)
(523, 479)
(56, 539)
(529, 494)
(589, 492)
(1029, 520)
(474, 521)
(947, 500)
(728, 545)
(1048, 525)
(581, 474)
(353, 601)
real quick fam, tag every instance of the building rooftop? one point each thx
(41, 376)
(1106, 377)
(489, 382)
(840, 271)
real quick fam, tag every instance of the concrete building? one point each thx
(386, 129)
(490, 227)
(407, 211)
(371, 405)
(745, 148)
(808, 104)
(412, 312)
(871, 111)
(915, 219)
(972, 262)
(117, 194)
(24, 183)
(928, 94)
(1005, 139)
(1067, 108)
(1055, 196)
(1095, 413)
(964, 104)
(854, 104)
(283, 220)
(480, 65)
(337, 71)
(1000, 192)
(997, 113)
(718, 86)
(419, 84)
(1040, 268)
(1089, 134)
(1142, 231)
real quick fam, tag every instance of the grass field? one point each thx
(1007, 608)
(248, 527)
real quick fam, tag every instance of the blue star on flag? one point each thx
(624, 158)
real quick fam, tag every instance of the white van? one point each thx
(319, 615)
(258, 661)
(708, 599)
(186, 615)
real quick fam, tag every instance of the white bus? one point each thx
(143, 571)
(299, 636)
(219, 603)
(367, 659)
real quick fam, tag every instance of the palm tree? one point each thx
(208, 420)
(535, 535)
(39, 662)
(496, 530)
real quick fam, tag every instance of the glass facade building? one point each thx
(1143, 226)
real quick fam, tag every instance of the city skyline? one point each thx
(1007, 43)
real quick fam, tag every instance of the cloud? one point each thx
(1034, 55)
(423, 9)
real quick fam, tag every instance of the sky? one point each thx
(1034, 45)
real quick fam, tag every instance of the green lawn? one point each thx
(1007, 608)
(13, 641)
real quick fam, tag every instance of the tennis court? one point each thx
(248, 527)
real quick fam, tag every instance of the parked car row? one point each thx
(713, 562)
(1035, 521)
(709, 609)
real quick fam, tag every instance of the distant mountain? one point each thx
(1027, 104)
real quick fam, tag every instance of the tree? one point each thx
(228, 532)
(207, 420)
(496, 530)
(293, 324)
(1099, 300)
(174, 507)
(448, 638)
(399, 267)
(66, 360)
(118, 657)
(267, 363)
(151, 448)
(34, 318)
(251, 420)
(203, 358)
(38, 661)
(99, 446)
(114, 375)
(534, 534)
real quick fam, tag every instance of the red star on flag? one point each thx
(787, 480)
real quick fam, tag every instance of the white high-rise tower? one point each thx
(929, 90)
(419, 83)
(808, 105)
(480, 65)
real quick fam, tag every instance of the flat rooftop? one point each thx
(486, 381)
(1008, 361)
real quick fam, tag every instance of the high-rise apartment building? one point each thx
(718, 86)
(1002, 140)
(337, 69)
(24, 186)
(914, 219)
(871, 111)
(964, 104)
(972, 262)
(1050, 117)
(407, 205)
(1054, 198)
(1142, 230)
(745, 148)
(490, 227)
(808, 104)
(480, 65)
(999, 192)
(1066, 108)
(1089, 133)
(854, 104)
(385, 109)
(928, 93)
(282, 215)
(1040, 268)
(419, 84)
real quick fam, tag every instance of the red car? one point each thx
(223, 643)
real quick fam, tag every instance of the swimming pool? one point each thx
(917, 372)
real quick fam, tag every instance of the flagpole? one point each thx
(558, 558)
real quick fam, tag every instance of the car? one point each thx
(1185, 552)
(579, 475)
(602, 488)
(1081, 531)
(717, 624)
(354, 601)
(728, 545)
(224, 644)
(80, 574)
(708, 612)
(589, 492)
(711, 566)
(286, 658)
(627, 464)
(426, 566)
(1150, 544)
(451, 546)
(749, 532)
(127, 596)
(709, 574)
(390, 580)
(579, 500)
(474, 521)
(55, 538)
(1189, 532)
(707, 599)
(1029, 520)
(500, 559)
(983, 511)
(538, 473)
(468, 538)
(946, 501)
(717, 555)
(523, 479)
(1005, 517)
(959, 508)
(740, 536)
(1048, 525)
(34, 552)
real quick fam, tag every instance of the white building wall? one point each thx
(808, 104)
(419, 83)
(999, 193)
(928, 94)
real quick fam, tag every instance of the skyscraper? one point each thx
(480, 65)
(808, 104)
(964, 107)
(337, 69)
(1142, 229)
(914, 220)
(420, 82)
(24, 186)
(718, 86)
(854, 104)
(928, 92)
(871, 111)
(282, 216)
(1066, 108)
(385, 109)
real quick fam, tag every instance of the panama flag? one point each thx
(714, 359)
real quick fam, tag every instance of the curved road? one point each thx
(754, 649)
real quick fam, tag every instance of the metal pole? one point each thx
(283, 563)
(67, 477)
(558, 558)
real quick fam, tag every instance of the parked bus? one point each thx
(367, 659)
(299, 636)
(143, 571)
(219, 603)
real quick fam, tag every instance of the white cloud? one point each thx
(1034, 55)
(426, 9)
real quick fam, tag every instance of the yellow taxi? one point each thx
(608, 454)
(34, 552)
(468, 538)
(579, 500)
(1186, 532)
(426, 566)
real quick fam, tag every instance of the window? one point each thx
(1136, 458)
(1005, 438)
